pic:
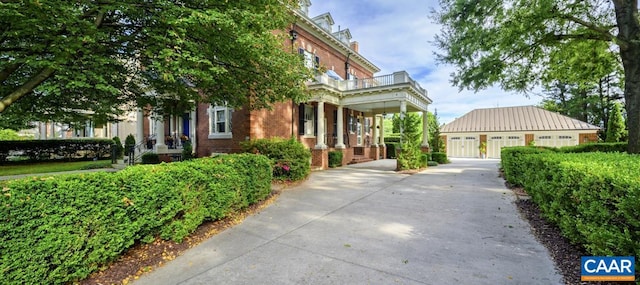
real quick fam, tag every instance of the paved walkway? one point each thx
(365, 224)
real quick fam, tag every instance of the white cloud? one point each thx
(397, 35)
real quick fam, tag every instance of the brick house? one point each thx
(344, 113)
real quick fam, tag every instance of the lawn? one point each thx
(44, 167)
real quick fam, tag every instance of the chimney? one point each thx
(354, 46)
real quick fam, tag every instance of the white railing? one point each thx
(401, 77)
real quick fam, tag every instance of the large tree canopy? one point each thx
(518, 44)
(63, 59)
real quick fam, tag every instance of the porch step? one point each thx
(359, 159)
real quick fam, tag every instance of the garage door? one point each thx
(497, 142)
(556, 140)
(462, 146)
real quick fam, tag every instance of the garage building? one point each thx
(513, 126)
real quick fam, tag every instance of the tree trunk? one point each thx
(628, 38)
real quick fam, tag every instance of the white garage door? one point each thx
(496, 142)
(462, 146)
(556, 140)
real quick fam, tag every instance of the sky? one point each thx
(398, 35)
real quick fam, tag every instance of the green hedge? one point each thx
(594, 147)
(291, 159)
(56, 230)
(395, 138)
(54, 150)
(391, 149)
(440, 157)
(335, 158)
(593, 197)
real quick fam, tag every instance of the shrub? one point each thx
(187, 150)
(394, 138)
(119, 147)
(592, 197)
(512, 161)
(596, 147)
(129, 144)
(391, 150)
(440, 157)
(410, 157)
(424, 159)
(432, 163)
(55, 150)
(291, 159)
(57, 230)
(150, 158)
(335, 158)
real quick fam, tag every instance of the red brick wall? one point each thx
(276, 122)
(240, 129)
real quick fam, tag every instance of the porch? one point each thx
(359, 107)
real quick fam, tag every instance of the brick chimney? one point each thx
(354, 46)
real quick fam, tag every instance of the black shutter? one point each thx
(317, 62)
(301, 119)
(335, 123)
(315, 126)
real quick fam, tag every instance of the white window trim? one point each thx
(212, 122)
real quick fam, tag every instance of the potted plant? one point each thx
(483, 150)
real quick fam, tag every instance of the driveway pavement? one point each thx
(365, 224)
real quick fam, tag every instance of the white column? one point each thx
(425, 129)
(90, 130)
(403, 112)
(43, 130)
(320, 120)
(139, 126)
(160, 147)
(382, 131)
(375, 130)
(192, 129)
(63, 131)
(52, 127)
(340, 130)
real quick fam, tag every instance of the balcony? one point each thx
(379, 94)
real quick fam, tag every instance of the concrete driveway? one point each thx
(365, 224)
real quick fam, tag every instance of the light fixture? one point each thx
(384, 110)
(294, 35)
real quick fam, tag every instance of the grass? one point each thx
(44, 167)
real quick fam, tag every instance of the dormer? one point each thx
(344, 36)
(304, 6)
(325, 21)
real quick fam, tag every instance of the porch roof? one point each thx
(380, 94)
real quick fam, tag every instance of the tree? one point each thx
(615, 130)
(435, 141)
(512, 43)
(410, 154)
(98, 58)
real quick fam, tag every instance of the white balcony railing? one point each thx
(397, 78)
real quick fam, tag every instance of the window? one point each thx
(307, 120)
(470, 138)
(565, 137)
(311, 61)
(455, 138)
(220, 122)
(367, 125)
(352, 123)
(544, 137)
(496, 138)
(513, 137)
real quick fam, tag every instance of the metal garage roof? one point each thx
(506, 119)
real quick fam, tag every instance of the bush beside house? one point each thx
(592, 197)
(56, 230)
(335, 158)
(290, 158)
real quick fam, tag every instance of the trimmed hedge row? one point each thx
(52, 150)
(593, 197)
(440, 157)
(594, 147)
(56, 230)
(335, 158)
(291, 159)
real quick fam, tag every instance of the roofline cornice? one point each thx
(321, 33)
